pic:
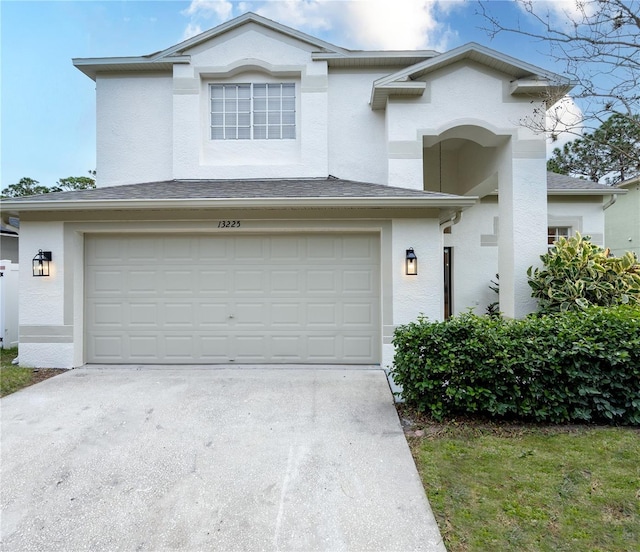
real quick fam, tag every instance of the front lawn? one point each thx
(524, 488)
(13, 378)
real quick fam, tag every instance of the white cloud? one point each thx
(562, 11)
(362, 24)
(212, 11)
(564, 121)
(192, 29)
(312, 14)
(220, 9)
(398, 25)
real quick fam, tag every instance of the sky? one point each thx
(47, 106)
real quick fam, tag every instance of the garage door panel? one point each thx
(179, 282)
(253, 250)
(358, 281)
(249, 314)
(106, 282)
(286, 249)
(143, 347)
(321, 281)
(212, 314)
(249, 347)
(357, 347)
(107, 348)
(322, 315)
(322, 348)
(285, 282)
(213, 282)
(106, 315)
(358, 248)
(178, 250)
(179, 347)
(178, 315)
(359, 315)
(143, 314)
(321, 249)
(287, 348)
(142, 282)
(241, 298)
(249, 281)
(214, 348)
(286, 315)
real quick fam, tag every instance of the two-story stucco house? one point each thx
(265, 196)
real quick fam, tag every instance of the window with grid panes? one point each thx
(253, 111)
(554, 233)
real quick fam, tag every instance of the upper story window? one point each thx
(253, 111)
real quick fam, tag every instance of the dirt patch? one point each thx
(41, 374)
(421, 426)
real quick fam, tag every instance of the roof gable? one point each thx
(165, 59)
(526, 78)
(250, 17)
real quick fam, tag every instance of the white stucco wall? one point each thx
(357, 142)
(133, 129)
(475, 244)
(414, 296)
(584, 215)
(45, 339)
(469, 101)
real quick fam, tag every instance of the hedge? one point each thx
(567, 367)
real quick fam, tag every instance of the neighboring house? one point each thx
(9, 242)
(217, 233)
(622, 219)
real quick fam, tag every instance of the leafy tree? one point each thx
(29, 186)
(578, 274)
(611, 151)
(597, 42)
(74, 183)
(24, 187)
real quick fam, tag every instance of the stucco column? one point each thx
(522, 234)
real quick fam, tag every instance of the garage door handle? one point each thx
(231, 316)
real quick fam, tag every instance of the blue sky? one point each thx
(48, 107)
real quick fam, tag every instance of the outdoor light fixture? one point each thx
(41, 263)
(411, 263)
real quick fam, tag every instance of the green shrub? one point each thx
(578, 274)
(574, 366)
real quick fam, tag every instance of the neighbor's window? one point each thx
(253, 111)
(554, 233)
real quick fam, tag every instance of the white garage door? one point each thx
(243, 299)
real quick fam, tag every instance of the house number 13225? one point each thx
(228, 224)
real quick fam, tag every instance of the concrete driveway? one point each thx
(144, 458)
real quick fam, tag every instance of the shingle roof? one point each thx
(561, 182)
(238, 189)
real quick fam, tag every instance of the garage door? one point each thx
(243, 299)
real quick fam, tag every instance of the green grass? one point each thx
(532, 489)
(12, 378)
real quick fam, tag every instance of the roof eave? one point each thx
(92, 66)
(380, 94)
(16, 207)
(578, 192)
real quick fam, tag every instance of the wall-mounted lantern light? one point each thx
(411, 263)
(41, 263)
